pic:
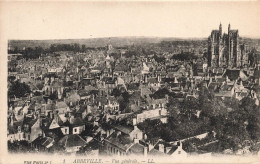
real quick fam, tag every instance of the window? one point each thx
(179, 152)
(66, 131)
(75, 130)
(29, 137)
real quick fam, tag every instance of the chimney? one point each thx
(88, 109)
(227, 79)
(175, 80)
(180, 145)
(71, 118)
(161, 148)
(167, 97)
(134, 123)
(59, 94)
(145, 137)
(62, 89)
(51, 115)
(150, 146)
(145, 78)
(159, 78)
(118, 133)
(145, 151)
(108, 133)
(12, 120)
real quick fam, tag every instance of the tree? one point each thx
(123, 100)
(116, 92)
(173, 107)
(159, 59)
(253, 126)
(18, 89)
(83, 48)
(189, 107)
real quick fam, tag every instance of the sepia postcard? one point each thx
(129, 82)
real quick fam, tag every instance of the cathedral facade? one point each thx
(225, 50)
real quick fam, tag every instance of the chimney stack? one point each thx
(161, 148)
(145, 151)
(118, 133)
(108, 133)
(134, 123)
(12, 120)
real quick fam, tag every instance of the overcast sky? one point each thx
(66, 20)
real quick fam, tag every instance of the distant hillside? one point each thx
(95, 42)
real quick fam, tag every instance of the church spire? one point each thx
(220, 29)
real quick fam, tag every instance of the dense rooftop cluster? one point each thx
(125, 101)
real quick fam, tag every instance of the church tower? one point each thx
(220, 29)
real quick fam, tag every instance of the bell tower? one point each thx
(220, 29)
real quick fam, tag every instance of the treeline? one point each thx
(184, 56)
(188, 43)
(34, 53)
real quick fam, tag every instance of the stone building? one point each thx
(226, 50)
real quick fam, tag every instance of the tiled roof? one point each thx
(72, 140)
(44, 141)
(152, 80)
(122, 141)
(155, 152)
(124, 129)
(137, 148)
(77, 121)
(61, 104)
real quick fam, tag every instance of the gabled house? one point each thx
(124, 140)
(32, 129)
(72, 143)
